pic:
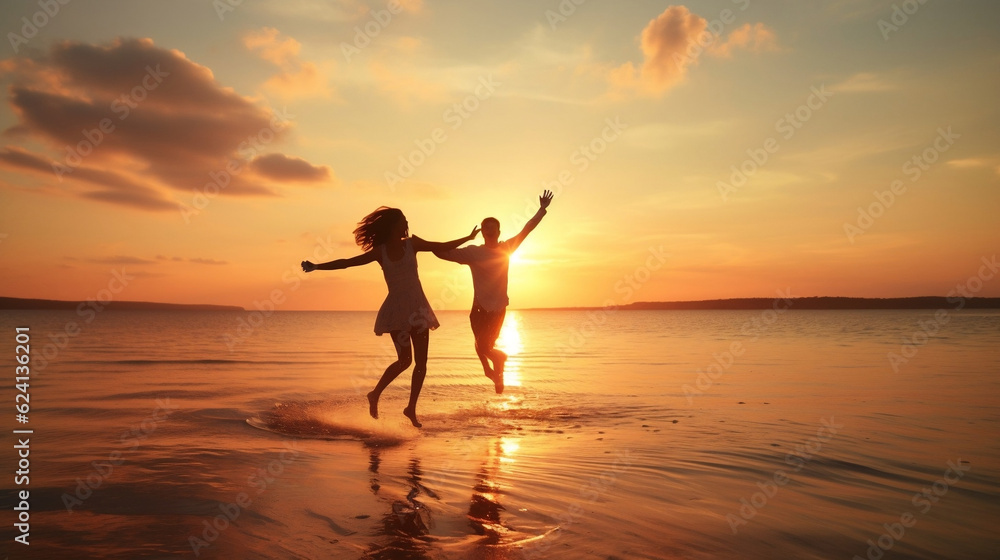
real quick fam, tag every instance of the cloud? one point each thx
(106, 186)
(673, 42)
(968, 163)
(864, 82)
(284, 168)
(664, 43)
(115, 260)
(754, 38)
(296, 78)
(339, 11)
(129, 122)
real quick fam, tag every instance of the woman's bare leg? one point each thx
(401, 340)
(421, 340)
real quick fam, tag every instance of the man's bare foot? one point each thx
(497, 382)
(412, 415)
(498, 373)
(373, 405)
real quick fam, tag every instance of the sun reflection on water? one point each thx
(510, 342)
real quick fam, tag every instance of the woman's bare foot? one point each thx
(373, 405)
(412, 415)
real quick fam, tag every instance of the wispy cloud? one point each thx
(753, 38)
(296, 78)
(864, 82)
(285, 168)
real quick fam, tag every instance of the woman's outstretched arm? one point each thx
(422, 245)
(340, 263)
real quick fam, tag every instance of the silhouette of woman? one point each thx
(405, 313)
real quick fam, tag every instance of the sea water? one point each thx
(621, 434)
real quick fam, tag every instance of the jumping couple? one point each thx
(407, 316)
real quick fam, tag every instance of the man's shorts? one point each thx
(486, 325)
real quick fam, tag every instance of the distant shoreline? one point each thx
(21, 304)
(813, 303)
(801, 303)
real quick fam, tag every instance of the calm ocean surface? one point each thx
(642, 434)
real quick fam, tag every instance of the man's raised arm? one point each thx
(543, 202)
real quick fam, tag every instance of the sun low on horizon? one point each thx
(197, 152)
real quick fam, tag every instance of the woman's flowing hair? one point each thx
(376, 227)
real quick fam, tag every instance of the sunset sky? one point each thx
(200, 150)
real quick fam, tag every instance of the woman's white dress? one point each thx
(406, 307)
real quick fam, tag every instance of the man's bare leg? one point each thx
(498, 357)
(486, 366)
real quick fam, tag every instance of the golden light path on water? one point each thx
(510, 342)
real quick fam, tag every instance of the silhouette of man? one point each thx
(489, 264)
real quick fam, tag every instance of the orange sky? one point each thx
(192, 153)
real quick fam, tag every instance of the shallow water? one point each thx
(704, 434)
